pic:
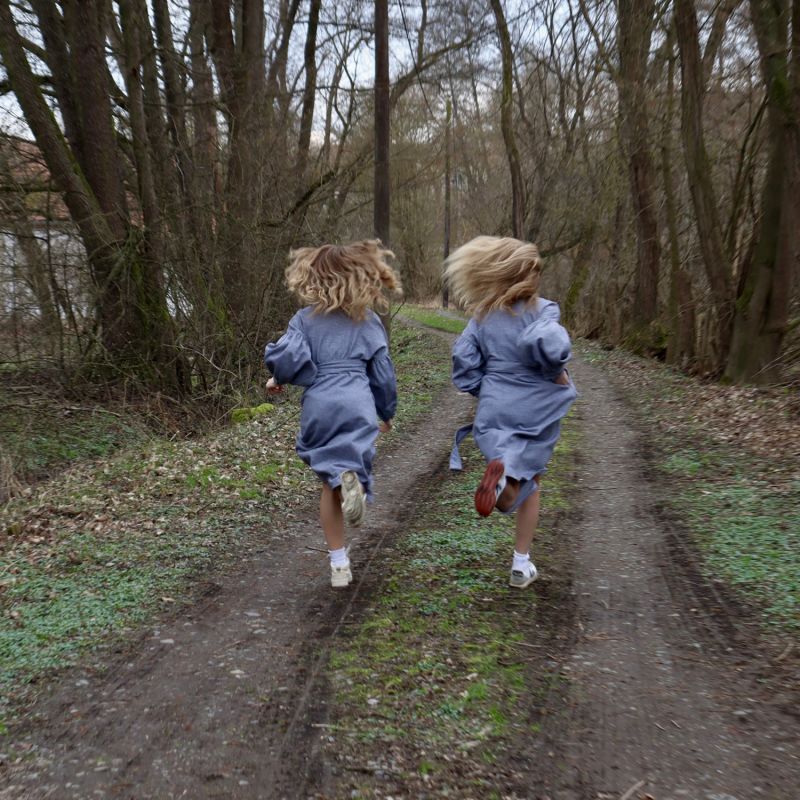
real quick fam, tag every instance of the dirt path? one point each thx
(660, 694)
(215, 703)
(228, 699)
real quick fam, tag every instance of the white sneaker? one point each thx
(354, 502)
(520, 578)
(341, 575)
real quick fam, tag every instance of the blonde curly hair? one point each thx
(491, 273)
(347, 277)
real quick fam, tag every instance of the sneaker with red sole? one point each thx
(487, 492)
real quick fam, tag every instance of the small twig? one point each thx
(370, 770)
(520, 644)
(93, 409)
(788, 649)
(399, 309)
(676, 724)
(635, 788)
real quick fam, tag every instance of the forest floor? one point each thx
(168, 628)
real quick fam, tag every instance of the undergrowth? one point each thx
(40, 435)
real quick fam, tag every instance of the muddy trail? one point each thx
(668, 695)
(229, 699)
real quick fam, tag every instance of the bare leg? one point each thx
(527, 520)
(330, 515)
(509, 494)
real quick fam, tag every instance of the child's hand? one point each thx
(562, 379)
(273, 387)
(384, 427)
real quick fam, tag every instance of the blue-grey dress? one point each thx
(509, 361)
(349, 381)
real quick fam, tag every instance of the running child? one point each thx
(336, 348)
(512, 356)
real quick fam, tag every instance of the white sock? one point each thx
(501, 484)
(338, 557)
(521, 561)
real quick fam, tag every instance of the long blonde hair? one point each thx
(349, 277)
(491, 273)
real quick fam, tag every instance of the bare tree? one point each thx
(134, 326)
(763, 298)
(635, 22)
(507, 121)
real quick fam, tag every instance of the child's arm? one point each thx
(383, 383)
(545, 344)
(289, 359)
(468, 361)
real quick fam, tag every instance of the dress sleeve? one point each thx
(289, 359)
(468, 361)
(383, 383)
(545, 343)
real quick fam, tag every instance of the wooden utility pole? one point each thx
(382, 187)
(445, 288)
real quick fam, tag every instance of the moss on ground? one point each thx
(245, 414)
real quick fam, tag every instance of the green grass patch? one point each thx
(439, 664)
(748, 530)
(442, 321)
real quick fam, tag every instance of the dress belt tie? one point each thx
(342, 365)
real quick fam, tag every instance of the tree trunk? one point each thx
(635, 28)
(715, 257)
(382, 185)
(309, 91)
(130, 305)
(680, 341)
(762, 306)
(240, 68)
(147, 284)
(447, 157)
(507, 122)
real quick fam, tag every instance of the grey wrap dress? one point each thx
(509, 360)
(349, 381)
